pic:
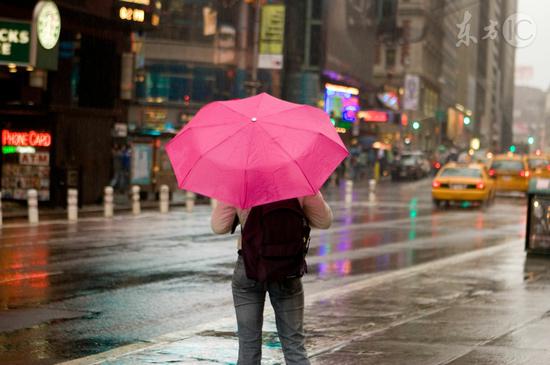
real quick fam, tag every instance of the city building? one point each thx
(530, 118)
(59, 97)
(408, 62)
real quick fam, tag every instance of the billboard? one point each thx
(341, 102)
(272, 33)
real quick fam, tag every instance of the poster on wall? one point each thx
(272, 34)
(142, 161)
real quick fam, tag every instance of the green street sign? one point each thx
(15, 41)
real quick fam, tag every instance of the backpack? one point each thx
(275, 241)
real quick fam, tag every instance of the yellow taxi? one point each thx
(510, 172)
(539, 165)
(457, 182)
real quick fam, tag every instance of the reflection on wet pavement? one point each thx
(134, 278)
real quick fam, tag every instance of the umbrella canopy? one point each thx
(256, 150)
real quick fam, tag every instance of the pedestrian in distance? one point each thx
(284, 286)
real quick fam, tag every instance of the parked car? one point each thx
(411, 165)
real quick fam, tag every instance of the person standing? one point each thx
(286, 295)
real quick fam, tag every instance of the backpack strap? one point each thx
(235, 223)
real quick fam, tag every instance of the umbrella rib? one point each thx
(233, 110)
(289, 156)
(284, 111)
(211, 148)
(301, 129)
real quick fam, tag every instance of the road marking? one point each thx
(361, 284)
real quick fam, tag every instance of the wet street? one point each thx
(71, 290)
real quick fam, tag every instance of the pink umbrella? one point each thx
(256, 150)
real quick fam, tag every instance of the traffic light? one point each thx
(531, 140)
(416, 125)
(467, 120)
(333, 121)
(512, 148)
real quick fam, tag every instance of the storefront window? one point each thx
(181, 83)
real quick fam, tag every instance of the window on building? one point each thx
(390, 57)
(315, 46)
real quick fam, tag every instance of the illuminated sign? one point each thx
(14, 42)
(37, 159)
(144, 12)
(131, 14)
(389, 99)
(341, 102)
(48, 24)
(32, 138)
(377, 116)
(140, 2)
(342, 89)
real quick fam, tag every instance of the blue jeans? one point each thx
(287, 299)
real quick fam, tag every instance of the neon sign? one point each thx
(23, 139)
(377, 116)
(341, 102)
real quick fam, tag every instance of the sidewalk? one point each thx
(489, 306)
(18, 211)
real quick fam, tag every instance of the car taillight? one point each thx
(480, 185)
(436, 184)
(492, 172)
(438, 165)
(524, 173)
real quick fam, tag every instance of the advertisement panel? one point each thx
(25, 163)
(272, 34)
(142, 163)
(341, 102)
(411, 97)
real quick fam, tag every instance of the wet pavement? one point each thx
(72, 290)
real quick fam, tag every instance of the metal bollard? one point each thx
(349, 190)
(189, 201)
(108, 206)
(349, 186)
(213, 203)
(32, 199)
(0, 208)
(372, 185)
(136, 206)
(164, 198)
(72, 205)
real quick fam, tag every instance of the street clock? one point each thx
(48, 24)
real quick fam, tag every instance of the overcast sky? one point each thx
(537, 54)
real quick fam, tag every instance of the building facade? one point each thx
(59, 102)
(530, 118)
